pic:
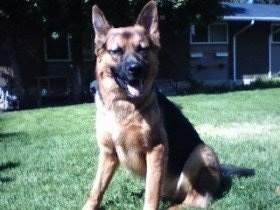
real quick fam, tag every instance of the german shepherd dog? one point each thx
(138, 127)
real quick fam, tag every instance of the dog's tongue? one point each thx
(135, 90)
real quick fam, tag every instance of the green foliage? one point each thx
(74, 15)
(266, 82)
(181, 12)
(14, 12)
(256, 1)
(48, 157)
(258, 83)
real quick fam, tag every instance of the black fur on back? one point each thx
(182, 136)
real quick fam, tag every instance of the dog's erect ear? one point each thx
(100, 25)
(148, 18)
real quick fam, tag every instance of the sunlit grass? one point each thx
(48, 156)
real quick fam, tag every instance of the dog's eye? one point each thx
(117, 51)
(141, 49)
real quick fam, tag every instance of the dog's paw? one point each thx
(89, 206)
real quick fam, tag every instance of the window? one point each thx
(214, 33)
(200, 34)
(218, 33)
(276, 33)
(57, 46)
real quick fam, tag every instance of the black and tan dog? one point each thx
(137, 127)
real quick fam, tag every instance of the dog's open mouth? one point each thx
(133, 88)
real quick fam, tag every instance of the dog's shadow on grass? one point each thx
(7, 166)
(4, 166)
(9, 136)
(4, 136)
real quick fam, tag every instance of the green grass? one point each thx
(48, 156)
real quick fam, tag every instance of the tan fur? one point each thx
(130, 132)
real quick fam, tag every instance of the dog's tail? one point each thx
(231, 170)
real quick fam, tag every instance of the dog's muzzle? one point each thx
(130, 77)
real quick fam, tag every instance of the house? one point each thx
(244, 43)
(46, 65)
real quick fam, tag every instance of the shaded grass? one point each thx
(48, 157)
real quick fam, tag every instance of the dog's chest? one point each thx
(130, 138)
(112, 126)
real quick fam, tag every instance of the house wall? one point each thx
(209, 62)
(252, 48)
(173, 54)
(30, 54)
(275, 58)
(252, 54)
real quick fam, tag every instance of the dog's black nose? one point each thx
(135, 69)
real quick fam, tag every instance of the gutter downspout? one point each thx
(234, 47)
(269, 53)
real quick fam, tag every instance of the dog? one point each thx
(138, 127)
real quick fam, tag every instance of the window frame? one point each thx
(209, 35)
(68, 57)
(272, 33)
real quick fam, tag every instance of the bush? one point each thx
(259, 83)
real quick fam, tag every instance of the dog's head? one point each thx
(127, 56)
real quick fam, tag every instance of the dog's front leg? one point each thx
(155, 166)
(106, 166)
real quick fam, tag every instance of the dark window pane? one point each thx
(57, 46)
(276, 33)
(199, 34)
(218, 33)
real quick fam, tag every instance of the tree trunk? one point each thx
(77, 83)
(77, 68)
(9, 47)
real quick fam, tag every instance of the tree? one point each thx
(256, 1)
(182, 12)
(70, 16)
(73, 16)
(15, 16)
(178, 12)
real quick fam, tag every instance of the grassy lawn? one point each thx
(48, 156)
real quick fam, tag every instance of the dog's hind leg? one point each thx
(200, 178)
